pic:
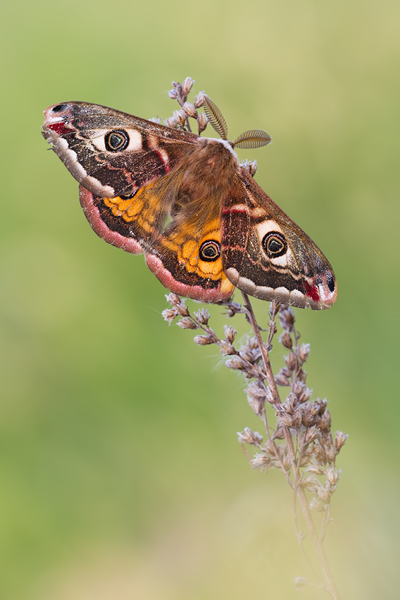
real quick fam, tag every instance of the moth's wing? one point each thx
(112, 153)
(265, 254)
(186, 254)
(127, 168)
(186, 257)
(132, 223)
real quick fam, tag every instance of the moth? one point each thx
(203, 223)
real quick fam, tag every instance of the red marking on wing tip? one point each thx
(59, 128)
(312, 291)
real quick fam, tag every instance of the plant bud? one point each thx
(202, 340)
(173, 299)
(186, 323)
(199, 100)
(304, 352)
(260, 460)
(250, 166)
(235, 363)
(171, 122)
(169, 314)
(316, 469)
(297, 419)
(256, 404)
(202, 316)
(286, 340)
(230, 333)
(187, 85)
(332, 475)
(202, 121)
(281, 379)
(226, 348)
(325, 421)
(189, 110)
(179, 116)
(291, 361)
(340, 440)
(305, 395)
(182, 309)
(249, 437)
(286, 420)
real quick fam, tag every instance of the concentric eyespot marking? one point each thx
(274, 244)
(116, 141)
(210, 251)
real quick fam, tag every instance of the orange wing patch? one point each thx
(127, 209)
(147, 211)
(177, 263)
(143, 208)
(184, 243)
(180, 247)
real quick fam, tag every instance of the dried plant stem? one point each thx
(298, 489)
(300, 444)
(268, 372)
(278, 458)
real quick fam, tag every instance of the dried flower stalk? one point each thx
(300, 443)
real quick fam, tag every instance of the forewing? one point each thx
(112, 153)
(267, 255)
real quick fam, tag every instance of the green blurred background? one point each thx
(120, 472)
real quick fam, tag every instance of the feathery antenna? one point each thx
(215, 117)
(254, 138)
